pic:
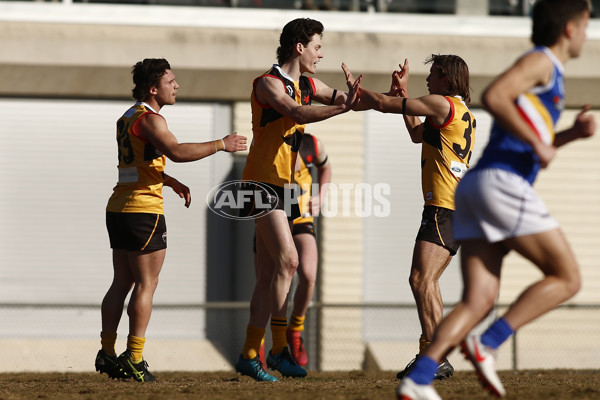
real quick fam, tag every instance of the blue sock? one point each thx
(424, 370)
(497, 334)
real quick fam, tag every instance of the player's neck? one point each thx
(154, 104)
(292, 68)
(561, 50)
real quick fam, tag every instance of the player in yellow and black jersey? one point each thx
(276, 137)
(447, 137)
(313, 161)
(281, 106)
(135, 216)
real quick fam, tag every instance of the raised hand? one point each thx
(349, 77)
(235, 142)
(395, 85)
(399, 85)
(352, 99)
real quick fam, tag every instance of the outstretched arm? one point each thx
(395, 87)
(269, 91)
(434, 106)
(398, 89)
(153, 127)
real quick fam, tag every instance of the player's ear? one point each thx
(299, 48)
(569, 29)
(153, 90)
(447, 84)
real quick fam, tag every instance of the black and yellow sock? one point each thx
(297, 323)
(108, 341)
(423, 343)
(254, 337)
(278, 329)
(135, 345)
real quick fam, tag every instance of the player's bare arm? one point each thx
(434, 106)
(327, 95)
(182, 190)
(350, 80)
(154, 129)
(398, 88)
(270, 91)
(499, 98)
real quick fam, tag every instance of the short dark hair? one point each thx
(300, 30)
(551, 16)
(456, 70)
(147, 74)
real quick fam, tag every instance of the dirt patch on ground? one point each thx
(521, 385)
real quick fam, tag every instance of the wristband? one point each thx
(333, 96)
(403, 105)
(219, 145)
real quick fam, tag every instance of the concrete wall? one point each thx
(87, 50)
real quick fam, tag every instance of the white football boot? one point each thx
(409, 390)
(483, 359)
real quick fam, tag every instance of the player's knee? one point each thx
(572, 283)
(147, 286)
(291, 263)
(416, 280)
(480, 304)
(308, 280)
(307, 270)
(486, 306)
(311, 280)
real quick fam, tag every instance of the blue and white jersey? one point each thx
(540, 107)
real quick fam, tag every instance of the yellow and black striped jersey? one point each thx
(445, 154)
(141, 168)
(272, 155)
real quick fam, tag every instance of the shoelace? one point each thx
(258, 366)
